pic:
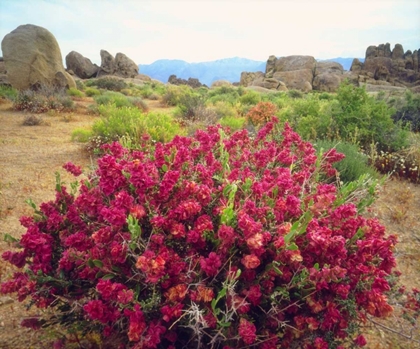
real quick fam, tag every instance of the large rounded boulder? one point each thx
(33, 58)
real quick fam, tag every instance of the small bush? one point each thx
(407, 111)
(250, 98)
(261, 113)
(353, 166)
(115, 98)
(81, 135)
(33, 120)
(91, 91)
(42, 100)
(8, 92)
(74, 92)
(233, 123)
(80, 85)
(108, 83)
(139, 103)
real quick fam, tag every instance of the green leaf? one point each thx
(31, 203)
(108, 276)
(224, 324)
(292, 247)
(9, 238)
(164, 168)
(97, 263)
(228, 216)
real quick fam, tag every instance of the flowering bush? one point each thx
(261, 113)
(213, 241)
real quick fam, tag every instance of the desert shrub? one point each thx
(80, 85)
(250, 98)
(295, 94)
(174, 94)
(81, 135)
(189, 105)
(74, 92)
(45, 98)
(115, 98)
(218, 241)
(354, 165)
(364, 120)
(33, 120)
(8, 92)
(224, 109)
(261, 113)
(228, 94)
(107, 83)
(92, 91)
(132, 123)
(234, 123)
(139, 103)
(407, 110)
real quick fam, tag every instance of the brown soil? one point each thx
(30, 155)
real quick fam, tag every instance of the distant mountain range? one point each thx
(229, 69)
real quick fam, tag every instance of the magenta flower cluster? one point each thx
(219, 240)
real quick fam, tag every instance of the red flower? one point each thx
(247, 331)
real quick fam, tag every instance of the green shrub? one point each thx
(407, 110)
(234, 123)
(80, 85)
(81, 135)
(108, 83)
(116, 98)
(173, 95)
(353, 166)
(364, 120)
(250, 97)
(132, 123)
(92, 91)
(224, 109)
(74, 92)
(8, 92)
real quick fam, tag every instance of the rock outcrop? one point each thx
(125, 67)
(121, 65)
(386, 67)
(81, 66)
(192, 82)
(302, 73)
(33, 58)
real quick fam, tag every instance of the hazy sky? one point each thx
(195, 31)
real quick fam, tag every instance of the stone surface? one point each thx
(32, 58)
(192, 82)
(395, 68)
(219, 83)
(107, 64)
(125, 67)
(81, 66)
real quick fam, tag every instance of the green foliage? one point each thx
(108, 83)
(116, 98)
(74, 92)
(362, 119)
(81, 135)
(8, 92)
(92, 91)
(226, 94)
(407, 110)
(80, 85)
(353, 166)
(250, 98)
(234, 123)
(132, 124)
(173, 94)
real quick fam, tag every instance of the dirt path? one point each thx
(30, 155)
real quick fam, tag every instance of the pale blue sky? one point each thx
(199, 30)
